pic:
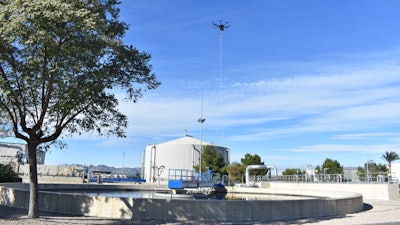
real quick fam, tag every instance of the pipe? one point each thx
(143, 164)
(258, 167)
(380, 178)
(151, 164)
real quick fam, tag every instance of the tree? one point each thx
(235, 172)
(250, 159)
(373, 168)
(61, 65)
(7, 173)
(293, 171)
(390, 157)
(317, 169)
(213, 160)
(331, 167)
(5, 129)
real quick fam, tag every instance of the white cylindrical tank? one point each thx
(181, 153)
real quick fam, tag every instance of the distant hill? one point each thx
(126, 170)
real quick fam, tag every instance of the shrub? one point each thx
(7, 173)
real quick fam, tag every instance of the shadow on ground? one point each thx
(367, 207)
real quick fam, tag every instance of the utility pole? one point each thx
(201, 120)
(367, 165)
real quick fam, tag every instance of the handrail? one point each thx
(324, 178)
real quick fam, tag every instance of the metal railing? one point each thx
(329, 178)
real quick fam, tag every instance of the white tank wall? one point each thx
(8, 151)
(396, 170)
(171, 157)
(182, 153)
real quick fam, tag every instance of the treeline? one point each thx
(236, 170)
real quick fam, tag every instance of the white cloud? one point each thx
(334, 148)
(268, 109)
(367, 136)
(357, 100)
(161, 115)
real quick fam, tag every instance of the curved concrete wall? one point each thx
(378, 191)
(181, 209)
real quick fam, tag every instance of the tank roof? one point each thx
(188, 140)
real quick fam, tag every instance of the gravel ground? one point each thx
(376, 212)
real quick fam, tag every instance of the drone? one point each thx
(221, 25)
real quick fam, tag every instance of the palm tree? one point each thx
(390, 157)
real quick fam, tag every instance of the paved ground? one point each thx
(376, 212)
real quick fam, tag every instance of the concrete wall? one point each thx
(336, 203)
(54, 174)
(54, 180)
(380, 191)
(52, 170)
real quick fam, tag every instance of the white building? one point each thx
(181, 153)
(396, 171)
(350, 174)
(11, 147)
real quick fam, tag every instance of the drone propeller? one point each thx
(221, 25)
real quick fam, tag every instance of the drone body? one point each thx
(221, 25)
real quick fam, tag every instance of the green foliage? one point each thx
(250, 159)
(7, 173)
(59, 61)
(213, 160)
(293, 171)
(331, 167)
(373, 168)
(318, 169)
(236, 172)
(390, 157)
(62, 64)
(5, 128)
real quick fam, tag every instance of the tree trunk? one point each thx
(33, 186)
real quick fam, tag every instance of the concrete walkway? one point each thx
(376, 212)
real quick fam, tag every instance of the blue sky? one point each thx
(300, 81)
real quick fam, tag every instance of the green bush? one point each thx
(7, 173)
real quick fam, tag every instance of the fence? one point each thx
(329, 178)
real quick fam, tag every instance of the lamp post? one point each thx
(367, 165)
(201, 121)
(324, 169)
(152, 163)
